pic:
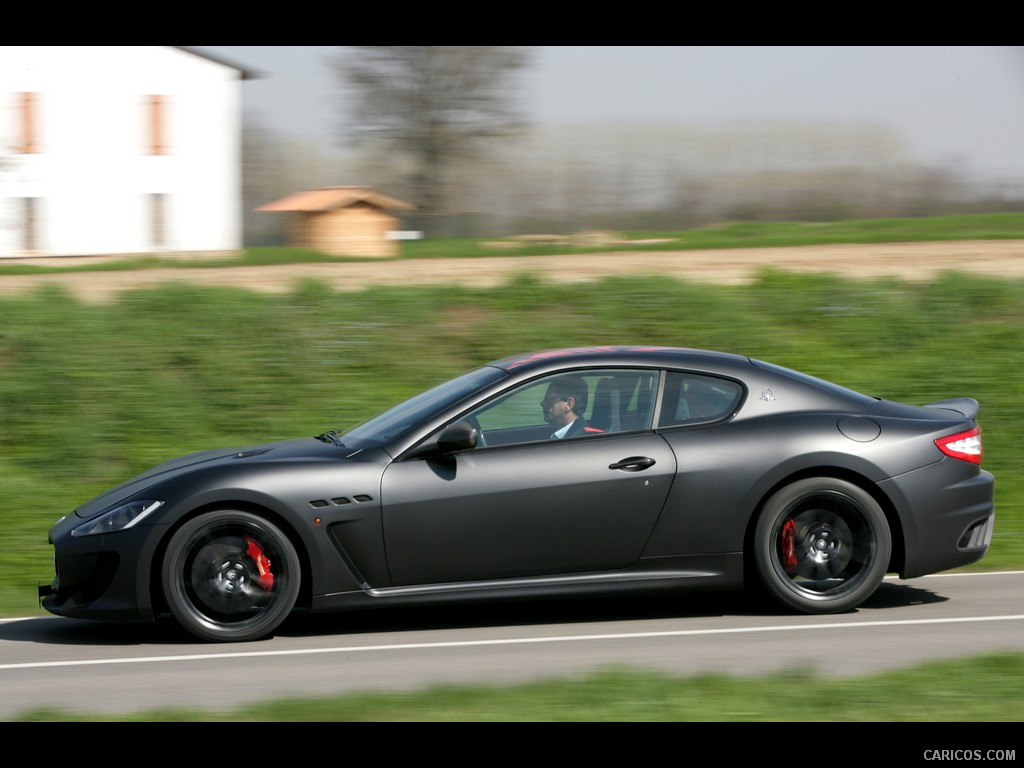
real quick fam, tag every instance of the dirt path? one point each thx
(914, 261)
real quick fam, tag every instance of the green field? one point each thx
(93, 394)
(991, 226)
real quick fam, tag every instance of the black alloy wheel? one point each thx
(230, 576)
(822, 545)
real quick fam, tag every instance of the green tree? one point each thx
(429, 107)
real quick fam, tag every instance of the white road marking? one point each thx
(508, 641)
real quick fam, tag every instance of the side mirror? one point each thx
(460, 436)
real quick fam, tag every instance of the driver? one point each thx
(564, 405)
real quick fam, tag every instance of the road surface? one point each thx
(93, 667)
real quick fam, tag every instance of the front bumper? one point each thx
(106, 577)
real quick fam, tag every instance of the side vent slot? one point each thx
(339, 501)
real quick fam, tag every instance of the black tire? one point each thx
(822, 546)
(230, 576)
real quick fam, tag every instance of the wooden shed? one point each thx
(342, 221)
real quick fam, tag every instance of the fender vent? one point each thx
(339, 501)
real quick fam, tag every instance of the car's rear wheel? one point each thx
(230, 576)
(822, 545)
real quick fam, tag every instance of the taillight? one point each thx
(965, 446)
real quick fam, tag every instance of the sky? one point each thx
(953, 105)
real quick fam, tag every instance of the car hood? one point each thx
(299, 449)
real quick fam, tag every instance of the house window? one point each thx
(28, 109)
(158, 219)
(30, 224)
(156, 115)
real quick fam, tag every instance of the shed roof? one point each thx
(332, 198)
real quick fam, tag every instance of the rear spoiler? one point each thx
(965, 406)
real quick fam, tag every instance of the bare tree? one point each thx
(429, 106)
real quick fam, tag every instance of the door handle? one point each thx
(633, 463)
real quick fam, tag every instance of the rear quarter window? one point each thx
(692, 398)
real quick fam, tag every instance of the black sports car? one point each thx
(604, 470)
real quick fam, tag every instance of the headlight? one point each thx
(117, 519)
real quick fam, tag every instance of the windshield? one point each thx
(406, 415)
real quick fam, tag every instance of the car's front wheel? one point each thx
(230, 576)
(822, 545)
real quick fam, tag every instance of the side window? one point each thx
(692, 398)
(580, 404)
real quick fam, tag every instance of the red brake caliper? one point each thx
(789, 544)
(266, 579)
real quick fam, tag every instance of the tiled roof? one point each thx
(332, 198)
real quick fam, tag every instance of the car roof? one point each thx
(653, 356)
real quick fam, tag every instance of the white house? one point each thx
(132, 149)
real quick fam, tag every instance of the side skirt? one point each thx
(649, 576)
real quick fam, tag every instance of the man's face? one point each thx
(557, 408)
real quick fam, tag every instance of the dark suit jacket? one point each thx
(579, 427)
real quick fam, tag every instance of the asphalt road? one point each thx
(99, 668)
